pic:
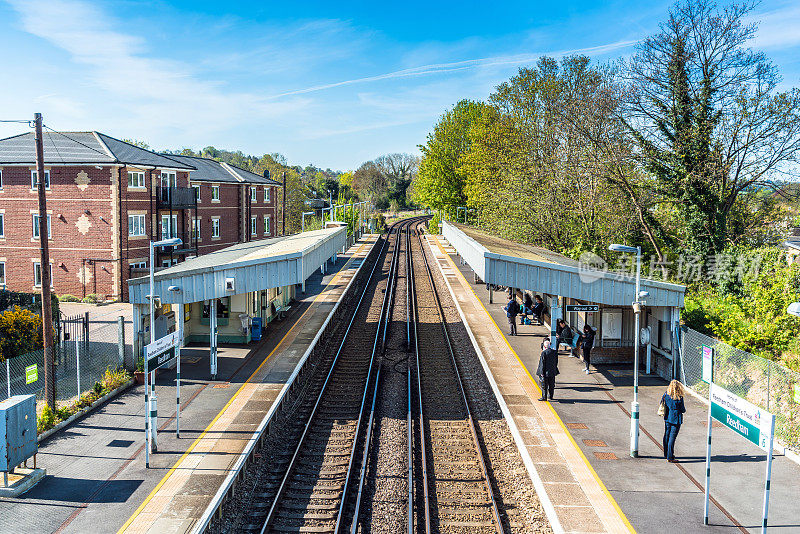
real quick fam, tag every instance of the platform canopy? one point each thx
(253, 266)
(507, 263)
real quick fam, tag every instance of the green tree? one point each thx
(440, 183)
(20, 332)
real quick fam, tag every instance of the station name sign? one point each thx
(744, 418)
(583, 308)
(156, 352)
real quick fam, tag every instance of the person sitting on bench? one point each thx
(564, 333)
(538, 309)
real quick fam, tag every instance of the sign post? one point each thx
(749, 421)
(156, 354)
(708, 364)
(588, 308)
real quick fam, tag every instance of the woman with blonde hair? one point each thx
(673, 410)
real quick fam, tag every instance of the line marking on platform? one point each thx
(180, 460)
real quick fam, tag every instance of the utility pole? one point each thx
(283, 214)
(44, 267)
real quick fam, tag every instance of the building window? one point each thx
(37, 274)
(215, 228)
(36, 226)
(196, 191)
(2, 273)
(266, 225)
(266, 194)
(2, 224)
(1, 178)
(135, 179)
(168, 179)
(196, 229)
(215, 193)
(136, 225)
(253, 193)
(168, 231)
(34, 181)
(253, 225)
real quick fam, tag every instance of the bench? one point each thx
(572, 345)
(281, 311)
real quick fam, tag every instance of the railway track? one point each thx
(457, 493)
(329, 449)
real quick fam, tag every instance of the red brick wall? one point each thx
(78, 236)
(87, 207)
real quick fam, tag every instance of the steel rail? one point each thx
(423, 450)
(307, 427)
(460, 382)
(409, 416)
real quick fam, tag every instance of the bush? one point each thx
(92, 298)
(46, 420)
(68, 298)
(26, 301)
(20, 333)
(433, 224)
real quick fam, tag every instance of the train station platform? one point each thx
(96, 476)
(579, 442)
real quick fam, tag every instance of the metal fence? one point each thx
(766, 384)
(79, 361)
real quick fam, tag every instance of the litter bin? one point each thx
(255, 329)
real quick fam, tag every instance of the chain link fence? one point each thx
(766, 384)
(79, 364)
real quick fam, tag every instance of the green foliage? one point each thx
(139, 367)
(46, 420)
(98, 388)
(91, 298)
(20, 332)
(434, 222)
(748, 309)
(29, 301)
(68, 298)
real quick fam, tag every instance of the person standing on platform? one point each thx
(512, 310)
(548, 370)
(587, 342)
(673, 409)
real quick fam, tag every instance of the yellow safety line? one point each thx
(202, 435)
(560, 422)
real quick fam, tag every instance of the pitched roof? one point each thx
(210, 170)
(81, 147)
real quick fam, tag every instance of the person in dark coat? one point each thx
(512, 310)
(527, 309)
(564, 333)
(587, 342)
(538, 309)
(547, 370)
(673, 417)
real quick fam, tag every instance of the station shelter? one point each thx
(563, 283)
(228, 295)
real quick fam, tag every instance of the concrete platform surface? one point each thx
(97, 481)
(654, 495)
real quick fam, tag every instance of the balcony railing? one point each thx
(188, 244)
(177, 197)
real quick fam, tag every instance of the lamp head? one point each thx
(794, 309)
(168, 242)
(174, 289)
(614, 247)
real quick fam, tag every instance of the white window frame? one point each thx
(2, 225)
(171, 178)
(214, 193)
(267, 229)
(172, 222)
(137, 222)
(35, 226)
(196, 229)
(34, 185)
(253, 194)
(196, 191)
(266, 194)
(1, 179)
(215, 228)
(138, 183)
(138, 265)
(37, 272)
(254, 225)
(2, 274)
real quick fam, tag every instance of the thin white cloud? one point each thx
(454, 66)
(779, 28)
(150, 88)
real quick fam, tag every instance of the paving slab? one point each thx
(651, 492)
(96, 477)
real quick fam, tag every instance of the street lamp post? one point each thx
(179, 329)
(637, 310)
(303, 220)
(151, 408)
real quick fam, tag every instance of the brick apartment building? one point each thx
(106, 199)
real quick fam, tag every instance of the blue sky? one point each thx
(329, 83)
